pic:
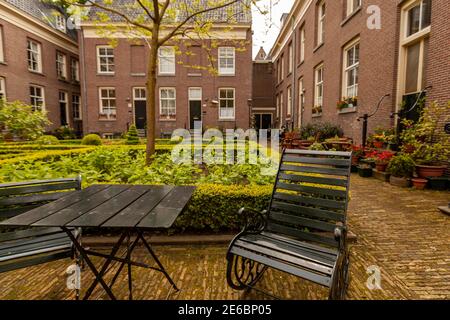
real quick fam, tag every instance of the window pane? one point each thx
(426, 13)
(414, 20)
(412, 68)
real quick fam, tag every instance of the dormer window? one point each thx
(60, 22)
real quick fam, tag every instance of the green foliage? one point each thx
(132, 136)
(317, 147)
(19, 120)
(401, 166)
(321, 131)
(65, 133)
(92, 140)
(425, 139)
(47, 140)
(215, 207)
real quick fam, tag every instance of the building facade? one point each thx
(335, 60)
(263, 107)
(39, 63)
(114, 80)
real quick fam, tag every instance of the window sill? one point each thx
(167, 120)
(36, 72)
(227, 75)
(227, 120)
(348, 110)
(63, 80)
(350, 16)
(107, 120)
(166, 75)
(194, 75)
(105, 74)
(138, 74)
(280, 83)
(317, 115)
(301, 63)
(3, 63)
(318, 47)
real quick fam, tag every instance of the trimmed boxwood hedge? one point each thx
(215, 207)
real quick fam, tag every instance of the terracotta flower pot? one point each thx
(430, 171)
(419, 183)
(381, 167)
(378, 144)
(400, 182)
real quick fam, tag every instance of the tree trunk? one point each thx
(151, 101)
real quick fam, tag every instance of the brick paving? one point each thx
(400, 231)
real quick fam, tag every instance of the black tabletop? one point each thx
(111, 206)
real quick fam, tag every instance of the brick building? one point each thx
(39, 60)
(263, 107)
(114, 78)
(329, 51)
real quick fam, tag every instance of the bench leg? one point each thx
(243, 273)
(340, 279)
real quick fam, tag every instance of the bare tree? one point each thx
(157, 23)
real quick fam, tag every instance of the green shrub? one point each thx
(401, 166)
(322, 131)
(132, 136)
(92, 140)
(215, 207)
(65, 133)
(47, 140)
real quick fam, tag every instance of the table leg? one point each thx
(130, 277)
(161, 267)
(98, 276)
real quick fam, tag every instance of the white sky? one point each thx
(267, 27)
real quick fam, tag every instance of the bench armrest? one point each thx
(255, 221)
(340, 234)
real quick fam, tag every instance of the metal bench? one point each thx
(24, 248)
(304, 232)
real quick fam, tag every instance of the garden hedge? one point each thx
(215, 207)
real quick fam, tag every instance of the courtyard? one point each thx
(400, 231)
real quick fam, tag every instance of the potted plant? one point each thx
(365, 170)
(341, 105)
(357, 154)
(382, 160)
(401, 168)
(419, 183)
(431, 149)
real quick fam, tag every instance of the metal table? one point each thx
(130, 209)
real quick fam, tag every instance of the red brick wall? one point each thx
(124, 81)
(19, 79)
(263, 89)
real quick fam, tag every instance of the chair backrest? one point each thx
(20, 197)
(311, 195)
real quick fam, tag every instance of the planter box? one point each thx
(365, 172)
(439, 183)
(354, 169)
(400, 182)
(382, 176)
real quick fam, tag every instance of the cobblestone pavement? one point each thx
(400, 231)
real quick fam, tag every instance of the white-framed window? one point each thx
(61, 65)
(227, 103)
(278, 105)
(321, 23)
(168, 103)
(318, 87)
(37, 98)
(352, 6)
(108, 106)
(2, 50)
(64, 108)
(105, 60)
(166, 60)
(75, 70)
(281, 108)
(34, 54)
(291, 58)
(195, 94)
(289, 101)
(419, 17)
(302, 44)
(60, 22)
(351, 70)
(2, 88)
(76, 107)
(227, 60)
(139, 94)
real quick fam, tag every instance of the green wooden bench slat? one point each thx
(36, 241)
(36, 182)
(314, 179)
(318, 161)
(28, 233)
(15, 211)
(307, 211)
(321, 170)
(38, 188)
(34, 260)
(311, 190)
(283, 266)
(36, 198)
(319, 153)
(301, 221)
(303, 235)
(316, 202)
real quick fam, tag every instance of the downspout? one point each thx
(83, 83)
(294, 76)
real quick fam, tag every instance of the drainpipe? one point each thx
(294, 76)
(83, 83)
